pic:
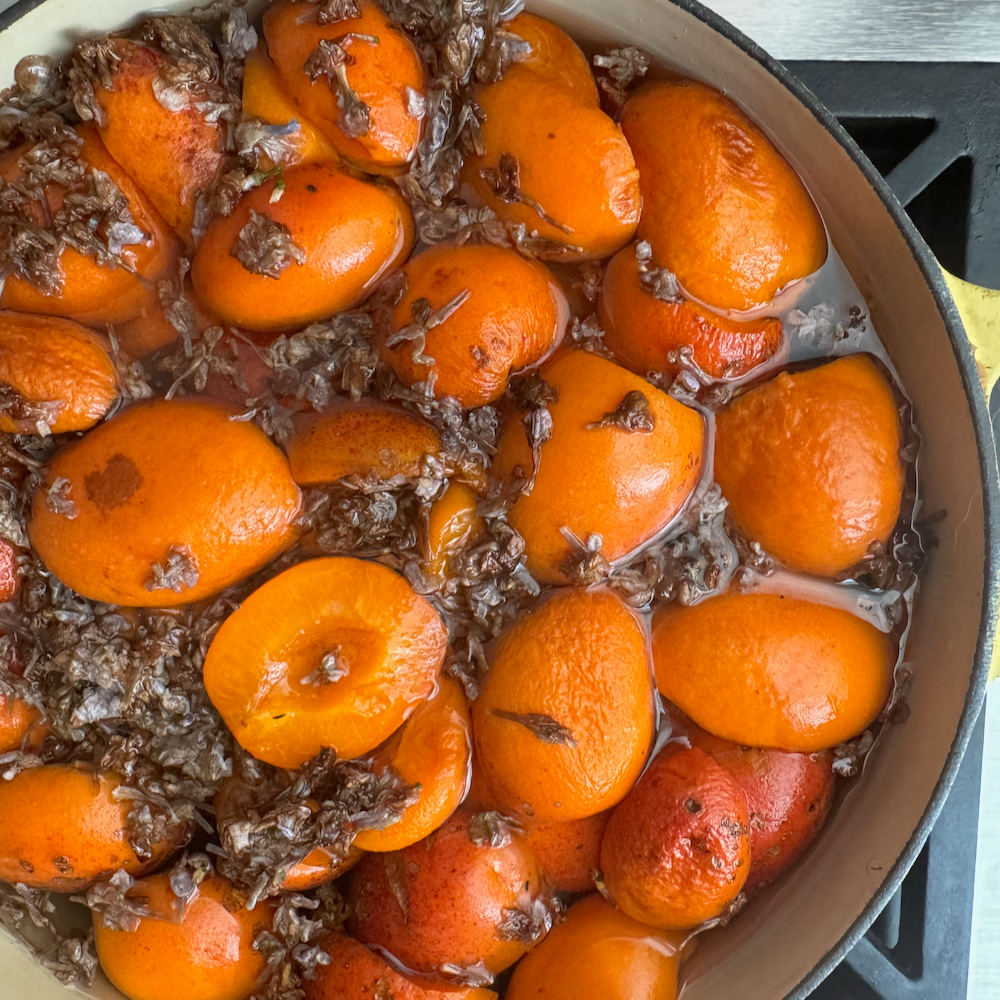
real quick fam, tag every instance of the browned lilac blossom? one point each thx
(265, 246)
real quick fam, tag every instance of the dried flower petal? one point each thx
(178, 573)
(623, 69)
(632, 414)
(265, 246)
(658, 281)
(542, 727)
(330, 59)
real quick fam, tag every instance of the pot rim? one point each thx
(988, 467)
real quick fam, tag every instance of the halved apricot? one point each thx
(810, 463)
(730, 217)
(265, 97)
(356, 78)
(599, 953)
(621, 462)
(433, 750)
(172, 153)
(58, 371)
(91, 292)
(62, 828)
(767, 670)
(169, 502)
(206, 954)
(564, 721)
(276, 264)
(358, 440)
(642, 330)
(334, 652)
(470, 316)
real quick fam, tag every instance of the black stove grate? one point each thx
(933, 130)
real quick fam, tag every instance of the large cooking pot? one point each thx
(795, 933)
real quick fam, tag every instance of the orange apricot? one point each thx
(767, 670)
(173, 154)
(151, 329)
(479, 313)
(730, 218)
(433, 749)
(553, 53)
(265, 97)
(622, 460)
(18, 721)
(90, 292)
(206, 954)
(810, 463)
(318, 867)
(352, 78)
(357, 439)
(676, 850)
(568, 852)
(564, 721)
(271, 265)
(334, 652)
(56, 371)
(357, 973)
(453, 521)
(642, 330)
(62, 828)
(599, 953)
(460, 899)
(169, 502)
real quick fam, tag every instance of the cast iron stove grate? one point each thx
(933, 130)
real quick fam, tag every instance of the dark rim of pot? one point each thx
(978, 410)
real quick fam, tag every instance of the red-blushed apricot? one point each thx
(642, 330)
(788, 795)
(568, 852)
(357, 973)
(453, 520)
(334, 652)
(564, 721)
(10, 579)
(91, 292)
(810, 464)
(173, 154)
(62, 828)
(563, 169)
(18, 720)
(676, 850)
(553, 53)
(622, 460)
(57, 372)
(265, 97)
(768, 670)
(489, 312)
(207, 954)
(352, 77)
(599, 953)
(168, 502)
(358, 439)
(453, 901)
(432, 749)
(730, 218)
(272, 265)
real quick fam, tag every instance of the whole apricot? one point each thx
(164, 504)
(206, 954)
(568, 852)
(173, 152)
(676, 850)
(810, 463)
(319, 249)
(358, 439)
(62, 828)
(730, 218)
(622, 460)
(599, 953)
(552, 53)
(18, 721)
(452, 521)
(642, 330)
(470, 316)
(334, 652)
(359, 79)
(767, 670)
(432, 749)
(564, 721)
(457, 900)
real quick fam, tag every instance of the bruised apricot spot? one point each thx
(114, 485)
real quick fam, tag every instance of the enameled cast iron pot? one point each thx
(796, 932)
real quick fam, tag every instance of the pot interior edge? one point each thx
(786, 939)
